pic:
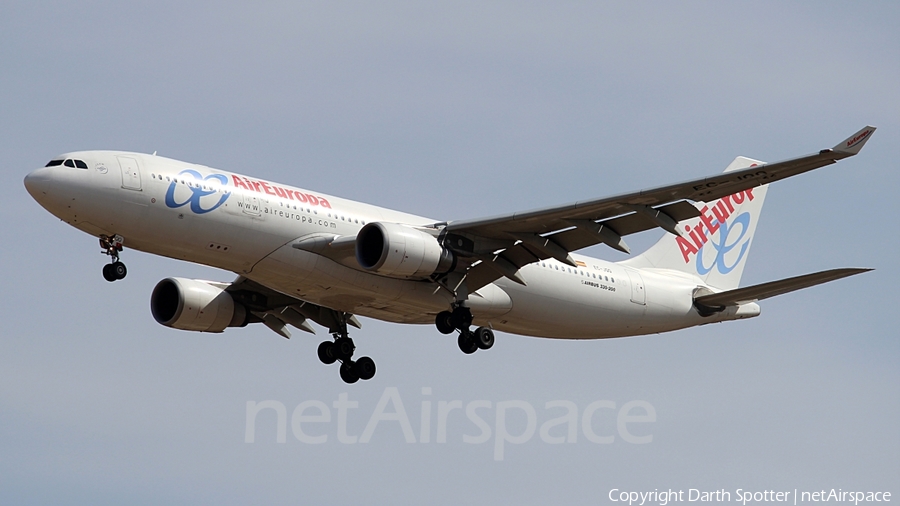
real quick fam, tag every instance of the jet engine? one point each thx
(192, 304)
(401, 251)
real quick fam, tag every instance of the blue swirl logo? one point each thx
(723, 246)
(198, 191)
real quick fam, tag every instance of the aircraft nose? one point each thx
(38, 183)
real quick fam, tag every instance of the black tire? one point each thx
(326, 354)
(108, 273)
(444, 322)
(461, 317)
(348, 372)
(343, 348)
(119, 270)
(365, 368)
(466, 344)
(484, 338)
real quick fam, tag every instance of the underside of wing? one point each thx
(277, 310)
(499, 246)
(711, 303)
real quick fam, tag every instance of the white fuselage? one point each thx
(249, 226)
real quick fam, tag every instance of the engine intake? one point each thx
(192, 304)
(401, 251)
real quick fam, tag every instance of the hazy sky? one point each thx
(452, 111)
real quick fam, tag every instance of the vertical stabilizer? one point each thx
(714, 246)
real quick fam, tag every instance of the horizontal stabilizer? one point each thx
(771, 289)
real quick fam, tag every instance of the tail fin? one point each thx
(715, 246)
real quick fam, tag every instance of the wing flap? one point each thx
(771, 289)
(265, 303)
(574, 239)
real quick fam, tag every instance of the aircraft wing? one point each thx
(717, 301)
(276, 310)
(506, 243)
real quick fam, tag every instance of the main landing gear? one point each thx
(342, 350)
(461, 319)
(112, 246)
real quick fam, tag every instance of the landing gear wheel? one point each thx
(466, 343)
(348, 372)
(326, 352)
(484, 338)
(461, 318)
(108, 273)
(364, 368)
(444, 322)
(343, 348)
(118, 269)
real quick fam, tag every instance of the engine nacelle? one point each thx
(401, 251)
(191, 304)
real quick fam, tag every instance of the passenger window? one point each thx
(80, 164)
(53, 163)
(69, 163)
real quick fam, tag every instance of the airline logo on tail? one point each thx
(725, 250)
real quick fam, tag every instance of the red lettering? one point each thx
(290, 194)
(727, 200)
(749, 192)
(686, 247)
(238, 182)
(707, 221)
(313, 199)
(267, 188)
(256, 185)
(324, 203)
(738, 198)
(720, 213)
(301, 197)
(858, 137)
(695, 236)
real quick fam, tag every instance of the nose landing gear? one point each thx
(111, 246)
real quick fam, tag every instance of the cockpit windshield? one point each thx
(69, 162)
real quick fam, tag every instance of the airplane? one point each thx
(301, 256)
